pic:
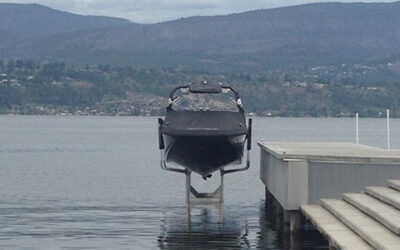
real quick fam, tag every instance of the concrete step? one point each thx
(338, 234)
(395, 184)
(388, 195)
(377, 209)
(369, 229)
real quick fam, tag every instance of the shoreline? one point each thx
(155, 116)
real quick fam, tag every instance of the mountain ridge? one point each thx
(23, 21)
(299, 36)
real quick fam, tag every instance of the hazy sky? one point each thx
(150, 11)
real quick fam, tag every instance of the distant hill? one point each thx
(285, 38)
(22, 21)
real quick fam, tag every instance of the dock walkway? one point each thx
(369, 220)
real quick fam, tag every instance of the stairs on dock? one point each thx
(369, 220)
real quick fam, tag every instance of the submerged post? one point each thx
(188, 186)
(357, 135)
(388, 128)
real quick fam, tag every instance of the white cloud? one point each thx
(150, 11)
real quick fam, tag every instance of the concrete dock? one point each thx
(325, 181)
(299, 173)
(369, 220)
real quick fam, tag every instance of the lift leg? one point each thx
(194, 198)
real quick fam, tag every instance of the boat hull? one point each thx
(204, 154)
(203, 141)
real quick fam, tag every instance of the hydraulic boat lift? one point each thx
(204, 139)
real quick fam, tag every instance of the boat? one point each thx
(204, 129)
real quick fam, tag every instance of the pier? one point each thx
(369, 220)
(341, 188)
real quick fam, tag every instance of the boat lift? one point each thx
(193, 197)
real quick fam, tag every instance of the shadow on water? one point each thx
(242, 228)
(275, 234)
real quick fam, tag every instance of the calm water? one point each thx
(95, 183)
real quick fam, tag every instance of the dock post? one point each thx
(295, 221)
(290, 219)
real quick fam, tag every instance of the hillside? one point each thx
(327, 59)
(27, 87)
(27, 21)
(296, 37)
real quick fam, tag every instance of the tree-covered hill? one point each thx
(325, 59)
(27, 87)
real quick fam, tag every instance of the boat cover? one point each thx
(204, 123)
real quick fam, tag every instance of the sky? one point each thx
(152, 11)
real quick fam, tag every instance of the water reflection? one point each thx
(205, 230)
(243, 227)
(274, 234)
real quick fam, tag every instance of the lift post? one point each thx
(195, 198)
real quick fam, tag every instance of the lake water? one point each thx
(95, 183)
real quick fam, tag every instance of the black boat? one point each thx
(203, 131)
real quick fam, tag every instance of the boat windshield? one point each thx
(186, 100)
